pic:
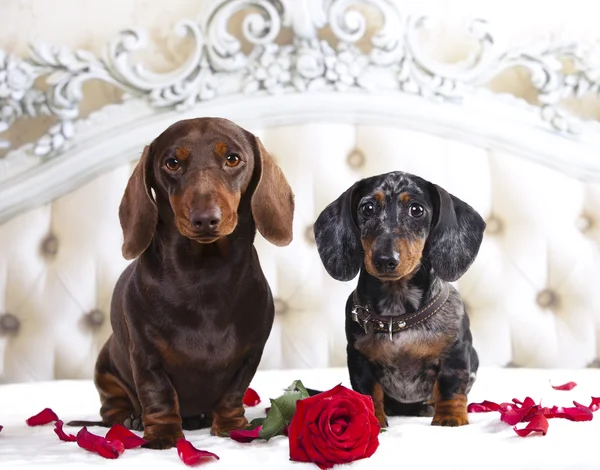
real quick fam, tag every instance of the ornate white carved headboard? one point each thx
(335, 98)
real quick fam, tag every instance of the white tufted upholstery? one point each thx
(532, 294)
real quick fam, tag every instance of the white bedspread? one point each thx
(410, 443)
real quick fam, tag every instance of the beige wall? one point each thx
(90, 24)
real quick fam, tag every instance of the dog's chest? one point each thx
(197, 350)
(406, 366)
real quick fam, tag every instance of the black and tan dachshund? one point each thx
(191, 315)
(409, 343)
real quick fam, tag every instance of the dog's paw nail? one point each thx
(383, 422)
(134, 423)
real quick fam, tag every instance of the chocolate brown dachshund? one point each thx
(191, 315)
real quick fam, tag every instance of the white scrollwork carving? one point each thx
(222, 63)
(261, 28)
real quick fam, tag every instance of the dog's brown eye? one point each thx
(368, 209)
(232, 160)
(416, 210)
(172, 164)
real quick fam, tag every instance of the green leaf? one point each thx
(382, 430)
(281, 413)
(273, 423)
(297, 385)
(255, 423)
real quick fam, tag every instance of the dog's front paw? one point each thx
(382, 418)
(227, 419)
(444, 419)
(162, 436)
(222, 428)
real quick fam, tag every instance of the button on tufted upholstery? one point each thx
(309, 235)
(494, 226)
(9, 324)
(95, 318)
(547, 299)
(534, 243)
(585, 223)
(50, 245)
(356, 159)
(281, 306)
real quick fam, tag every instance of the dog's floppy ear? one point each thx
(138, 213)
(455, 236)
(337, 237)
(272, 200)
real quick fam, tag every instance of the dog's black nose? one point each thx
(205, 219)
(386, 262)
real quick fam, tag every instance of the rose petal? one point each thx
(539, 423)
(245, 435)
(120, 433)
(295, 434)
(99, 445)
(517, 414)
(191, 456)
(509, 406)
(63, 436)
(251, 398)
(577, 413)
(567, 386)
(483, 407)
(595, 405)
(1, 428)
(43, 417)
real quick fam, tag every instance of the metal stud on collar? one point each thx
(365, 323)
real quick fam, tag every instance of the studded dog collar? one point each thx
(395, 323)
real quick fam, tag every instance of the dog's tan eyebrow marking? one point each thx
(379, 196)
(404, 197)
(220, 149)
(182, 153)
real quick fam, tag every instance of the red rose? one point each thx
(337, 426)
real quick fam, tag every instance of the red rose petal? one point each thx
(567, 386)
(251, 398)
(120, 433)
(297, 450)
(190, 456)
(99, 445)
(43, 417)
(245, 435)
(483, 407)
(539, 423)
(526, 412)
(578, 413)
(63, 436)
(595, 405)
